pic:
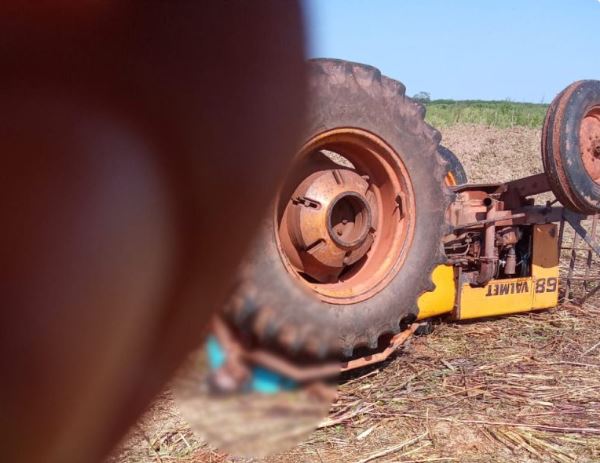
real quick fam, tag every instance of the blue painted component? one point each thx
(268, 382)
(262, 380)
(214, 353)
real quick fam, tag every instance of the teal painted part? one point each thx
(268, 382)
(214, 353)
(262, 381)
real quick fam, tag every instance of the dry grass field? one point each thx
(524, 388)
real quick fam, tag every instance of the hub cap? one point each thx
(346, 215)
(331, 223)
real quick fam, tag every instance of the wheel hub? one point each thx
(345, 215)
(331, 223)
(590, 143)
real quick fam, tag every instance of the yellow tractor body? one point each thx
(501, 296)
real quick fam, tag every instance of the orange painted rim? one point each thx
(450, 180)
(309, 198)
(589, 139)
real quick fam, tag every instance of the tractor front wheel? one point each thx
(571, 146)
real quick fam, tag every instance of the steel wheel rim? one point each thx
(589, 136)
(450, 180)
(379, 219)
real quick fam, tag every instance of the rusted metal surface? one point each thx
(502, 218)
(588, 281)
(305, 373)
(489, 259)
(572, 261)
(513, 205)
(476, 248)
(330, 223)
(483, 241)
(396, 341)
(490, 220)
(510, 267)
(589, 136)
(574, 220)
(590, 256)
(528, 186)
(345, 215)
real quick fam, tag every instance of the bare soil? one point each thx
(522, 388)
(491, 155)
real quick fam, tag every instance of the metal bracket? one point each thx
(574, 220)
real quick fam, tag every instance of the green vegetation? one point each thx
(502, 114)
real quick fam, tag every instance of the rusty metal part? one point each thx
(345, 215)
(526, 215)
(519, 189)
(574, 220)
(331, 223)
(486, 221)
(236, 353)
(508, 236)
(590, 246)
(310, 373)
(396, 341)
(588, 266)
(489, 260)
(510, 265)
(513, 208)
(469, 207)
(589, 139)
(535, 215)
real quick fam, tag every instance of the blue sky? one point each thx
(524, 50)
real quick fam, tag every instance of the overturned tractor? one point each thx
(376, 227)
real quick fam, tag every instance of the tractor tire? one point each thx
(571, 147)
(281, 305)
(455, 172)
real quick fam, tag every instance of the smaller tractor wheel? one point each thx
(455, 174)
(571, 146)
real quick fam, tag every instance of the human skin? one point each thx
(141, 143)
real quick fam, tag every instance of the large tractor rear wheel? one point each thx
(357, 227)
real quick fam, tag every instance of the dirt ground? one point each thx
(523, 388)
(495, 155)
